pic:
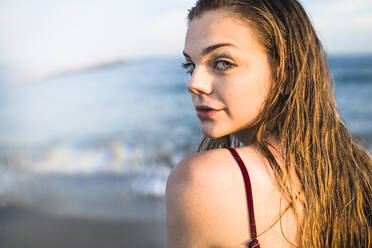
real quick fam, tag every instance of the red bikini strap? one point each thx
(248, 191)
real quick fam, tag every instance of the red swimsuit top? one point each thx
(248, 190)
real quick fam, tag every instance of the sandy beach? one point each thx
(22, 227)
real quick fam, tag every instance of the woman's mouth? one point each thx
(205, 112)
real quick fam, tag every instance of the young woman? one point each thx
(260, 82)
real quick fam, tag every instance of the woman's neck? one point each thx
(246, 136)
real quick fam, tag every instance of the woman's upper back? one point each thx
(207, 205)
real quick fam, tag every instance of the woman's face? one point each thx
(230, 73)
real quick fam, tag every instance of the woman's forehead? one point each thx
(216, 27)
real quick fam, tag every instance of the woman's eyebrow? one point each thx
(209, 49)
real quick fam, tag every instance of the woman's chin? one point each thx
(212, 136)
(212, 132)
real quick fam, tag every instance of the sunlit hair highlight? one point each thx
(325, 170)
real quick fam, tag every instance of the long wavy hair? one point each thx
(324, 168)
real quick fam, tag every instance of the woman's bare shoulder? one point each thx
(214, 161)
(206, 200)
(203, 162)
(202, 174)
(204, 196)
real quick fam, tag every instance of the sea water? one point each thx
(101, 142)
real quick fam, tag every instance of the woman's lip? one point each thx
(206, 113)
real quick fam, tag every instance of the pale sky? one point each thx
(42, 36)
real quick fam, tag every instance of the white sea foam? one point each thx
(140, 174)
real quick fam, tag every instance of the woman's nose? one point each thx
(200, 82)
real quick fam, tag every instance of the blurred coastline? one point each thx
(85, 154)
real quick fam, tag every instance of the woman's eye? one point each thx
(220, 65)
(223, 65)
(189, 67)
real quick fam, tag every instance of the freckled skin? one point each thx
(237, 85)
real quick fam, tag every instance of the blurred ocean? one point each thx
(101, 142)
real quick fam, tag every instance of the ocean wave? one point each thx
(140, 170)
(114, 157)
